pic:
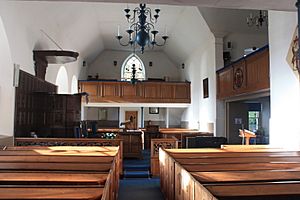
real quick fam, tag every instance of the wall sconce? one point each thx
(115, 63)
(150, 64)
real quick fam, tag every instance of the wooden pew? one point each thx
(75, 142)
(155, 145)
(53, 193)
(210, 174)
(52, 178)
(66, 170)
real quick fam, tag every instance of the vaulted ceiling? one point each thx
(89, 27)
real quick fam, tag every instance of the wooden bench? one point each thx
(259, 172)
(75, 142)
(59, 173)
(53, 193)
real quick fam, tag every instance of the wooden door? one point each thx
(133, 116)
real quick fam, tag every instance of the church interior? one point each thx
(176, 100)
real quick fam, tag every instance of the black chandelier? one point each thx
(133, 80)
(258, 20)
(141, 31)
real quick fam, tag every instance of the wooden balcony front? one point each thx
(141, 92)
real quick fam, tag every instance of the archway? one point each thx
(62, 81)
(74, 85)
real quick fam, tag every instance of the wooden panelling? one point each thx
(128, 90)
(152, 91)
(248, 75)
(166, 143)
(167, 91)
(182, 91)
(225, 83)
(110, 90)
(30, 103)
(141, 92)
(258, 71)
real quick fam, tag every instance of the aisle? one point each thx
(140, 189)
(137, 184)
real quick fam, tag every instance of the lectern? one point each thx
(247, 135)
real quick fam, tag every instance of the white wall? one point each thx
(201, 65)
(161, 65)
(23, 22)
(111, 113)
(7, 91)
(241, 41)
(285, 89)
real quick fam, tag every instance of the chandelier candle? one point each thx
(141, 30)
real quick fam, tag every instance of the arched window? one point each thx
(62, 81)
(126, 71)
(74, 85)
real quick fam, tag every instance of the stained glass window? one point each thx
(126, 72)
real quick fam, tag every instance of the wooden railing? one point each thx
(248, 75)
(141, 92)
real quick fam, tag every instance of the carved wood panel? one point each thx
(239, 76)
(246, 76)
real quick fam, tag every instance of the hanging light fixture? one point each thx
(133, 80)
(258, 20)
(141, 28)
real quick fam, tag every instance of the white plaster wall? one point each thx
(93, 113)
(161, 116)
(201, 65)
(161, 65)
(241, 41)
(285, 89)
(7, 91)
(23, 22)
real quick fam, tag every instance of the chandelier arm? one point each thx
(159, 45)
(148, 12)
(123, 44)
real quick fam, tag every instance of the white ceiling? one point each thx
(284, 5)
(90, 28)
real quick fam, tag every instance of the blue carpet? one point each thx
(137, 184)
(137, 189)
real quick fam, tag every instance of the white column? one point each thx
(220, 104)
(167, 117)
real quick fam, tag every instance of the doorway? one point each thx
(250, 114)
(133, 117)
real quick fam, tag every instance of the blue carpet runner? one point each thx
(137, 183)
